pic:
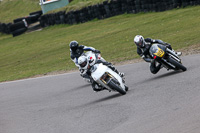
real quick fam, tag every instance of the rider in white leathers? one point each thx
(85, 63)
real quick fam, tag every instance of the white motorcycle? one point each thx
(107, 78)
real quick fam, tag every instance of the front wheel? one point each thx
(116, 87)
(177, 64)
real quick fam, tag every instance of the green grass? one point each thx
(46, 51)
(12, 9)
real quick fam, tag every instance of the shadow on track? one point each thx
(96, 101)
(79, 88)
(83, 86)
(107, 98)
(165, 75)
(158, 77)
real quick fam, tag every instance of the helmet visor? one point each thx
(73, 48)
(140, 43)
(83, 64)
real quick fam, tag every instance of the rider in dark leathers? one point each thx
(143, 46)
(77, 50)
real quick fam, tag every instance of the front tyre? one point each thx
(177, 64)
(116, 87)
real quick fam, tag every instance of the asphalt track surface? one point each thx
(167, 102)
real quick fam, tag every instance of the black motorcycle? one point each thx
(166, 57)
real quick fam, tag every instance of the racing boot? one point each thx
(115, 70)
(179, 53)
(97, 87)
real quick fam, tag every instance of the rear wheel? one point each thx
(19, 32)
(116, 87)
(177, 64)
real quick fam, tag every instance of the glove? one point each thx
(97, 88)
(160, 65)
(82, 72)
(152, 60)
(97, 51)
(168, 45)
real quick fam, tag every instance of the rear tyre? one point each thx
(19, 32)
(177, 64)
(16, 26)
(116, 87)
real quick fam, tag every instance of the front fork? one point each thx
(173, 55)
(106, 78)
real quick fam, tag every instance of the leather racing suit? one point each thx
(144, 53)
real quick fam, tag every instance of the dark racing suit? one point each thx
(144, 53)
(79, 51)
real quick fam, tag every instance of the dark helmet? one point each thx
(139, 41)
(73, 45)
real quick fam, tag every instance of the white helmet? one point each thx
(83, 62)
(92, 59)
(139, 41)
